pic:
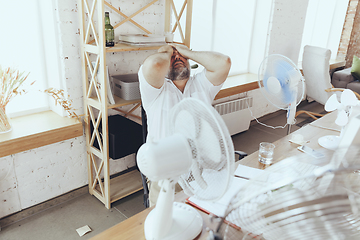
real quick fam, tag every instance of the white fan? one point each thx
(293, 199)
(199, 154)
(347, 100)
(282, 84)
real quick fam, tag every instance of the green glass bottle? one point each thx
(109, 31)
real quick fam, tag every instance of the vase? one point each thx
(4, 121)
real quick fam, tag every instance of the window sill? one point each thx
(37, 130)
(238, 84)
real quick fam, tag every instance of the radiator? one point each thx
(236, 114)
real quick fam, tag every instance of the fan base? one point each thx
(330, 142)
(187, 224)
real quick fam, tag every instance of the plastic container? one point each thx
(126, 86)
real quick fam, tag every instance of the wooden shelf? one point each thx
(122, 47)
(119, 102)
(125, 185)
(37, 130)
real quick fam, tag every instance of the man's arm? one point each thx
(217, 65)
(156, 66)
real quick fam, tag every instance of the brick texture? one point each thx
(350, 43)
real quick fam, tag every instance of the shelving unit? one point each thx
(95, 96)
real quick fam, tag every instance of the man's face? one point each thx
(179, 67)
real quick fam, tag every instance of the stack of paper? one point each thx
(142, 39)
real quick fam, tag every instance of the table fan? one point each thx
(282, 84)
(294, 199)
(347, 100)
(199, 154)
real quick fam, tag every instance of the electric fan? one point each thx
(347, 100)
(294, 199)
(199, 154)
(282, 84)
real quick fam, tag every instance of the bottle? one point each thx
(109, 31)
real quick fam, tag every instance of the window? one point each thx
(235, 28)
(28, 44)
(241, 29)
(323, 24)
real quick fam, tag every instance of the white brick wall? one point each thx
(49, 171)
(46, 172)
(9, 195)
(287, 27)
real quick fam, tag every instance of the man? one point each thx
(165, 80)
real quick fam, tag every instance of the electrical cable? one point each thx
(263, 123)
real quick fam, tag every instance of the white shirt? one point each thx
(158, 102)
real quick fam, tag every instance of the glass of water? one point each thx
(266, 152)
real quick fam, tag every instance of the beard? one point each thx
(179, 73)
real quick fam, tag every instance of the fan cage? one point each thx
(284, 69)
(288, 202)
(213, 153)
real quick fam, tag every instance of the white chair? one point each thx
(316, 71)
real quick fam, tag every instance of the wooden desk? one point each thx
(133, 228)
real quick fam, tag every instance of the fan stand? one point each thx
(330, 142)
(171, 220)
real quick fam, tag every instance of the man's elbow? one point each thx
(226, 63)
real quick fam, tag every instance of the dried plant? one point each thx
(60, 99)
(10, 82)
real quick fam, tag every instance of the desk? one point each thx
(133, 228)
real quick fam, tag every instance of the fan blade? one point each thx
(273, 85)
(342, 118)
(197, 174)
(348, 98)
(332, 103)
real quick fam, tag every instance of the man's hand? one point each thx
(166, 49)
(217, 65)
(182, 49)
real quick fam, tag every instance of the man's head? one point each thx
(179, 67)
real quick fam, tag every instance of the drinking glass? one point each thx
(266, 152)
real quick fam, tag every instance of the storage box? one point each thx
(126, 86)
(125, 136)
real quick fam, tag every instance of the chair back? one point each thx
(316, 70)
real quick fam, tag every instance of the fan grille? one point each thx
(212, 148)
(280, 81)
(294, 203)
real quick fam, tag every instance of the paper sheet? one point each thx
(83, 230)
(218, 208)
(247, 172)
